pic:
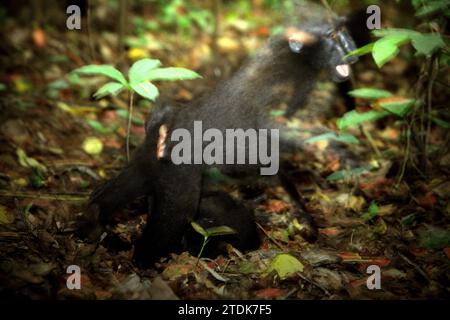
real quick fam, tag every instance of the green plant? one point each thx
(182, 15)
(389, 104)
(140, 77)
(432, 54)
(208, 233)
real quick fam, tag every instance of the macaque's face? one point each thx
(327, 45)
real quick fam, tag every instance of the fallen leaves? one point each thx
(269, 293)
(92, 146)
(285, 265)
(6, 215)
(277, 206)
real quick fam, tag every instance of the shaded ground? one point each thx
(49, 121)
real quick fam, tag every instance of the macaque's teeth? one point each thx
(343, 70)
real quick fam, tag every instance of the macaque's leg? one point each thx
(297, 101)
(175, 205)
(310, 230)
(300, 96)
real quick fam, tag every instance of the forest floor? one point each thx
(46, 177)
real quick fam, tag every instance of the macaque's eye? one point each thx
(332, 34)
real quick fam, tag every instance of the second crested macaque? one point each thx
(295, 57)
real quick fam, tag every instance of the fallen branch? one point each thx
(77, 197)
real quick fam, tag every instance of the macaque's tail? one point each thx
(117, 192)
(108, 198)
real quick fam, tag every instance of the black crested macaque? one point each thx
(296, 57)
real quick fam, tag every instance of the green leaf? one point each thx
(399, 108)
(369, 93)
(277, 113)
(386, 48)
(141, 69)
(383, 53)
(432, 7)
(397, 32)
(73, 78)
(104, 70)
(58, 84)
(110, 88)
(94, 124)
(345, 174)
(54, 87)
(146, 89)
(344, 137)
(2, 87)
(37, 180)
(441, 123)
(285, 265)
(172, 74)
(427, 44)
(408, 220)
(354, 118)
(371, 213)
(361, 51)
(99, 127)
(199, 229)
(220, 231)
(29, 162)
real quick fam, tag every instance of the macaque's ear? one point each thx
(298, 39)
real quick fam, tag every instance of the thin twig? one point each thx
(405, 159)
(416, 266)
(371, 142)
(130, 113)
(314, 283)
(270, 237)
(431, 78)
(326, 5)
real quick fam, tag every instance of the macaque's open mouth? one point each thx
(343, 70)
